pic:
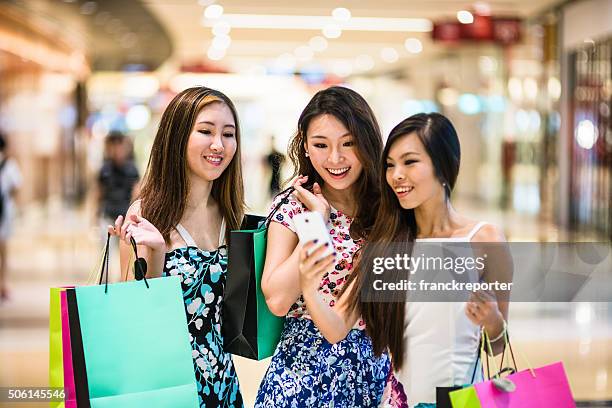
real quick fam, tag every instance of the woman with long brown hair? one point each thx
(432, 344)
(336, 153)
(192, 196)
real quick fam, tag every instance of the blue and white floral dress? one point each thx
(306, 370)
(203, 275)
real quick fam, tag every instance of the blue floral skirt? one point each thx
(307, 371)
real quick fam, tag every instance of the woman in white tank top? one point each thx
(433, 344)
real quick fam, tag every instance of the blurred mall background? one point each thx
(528, 84)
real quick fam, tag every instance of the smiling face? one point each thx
(212, 142)
(411, 174)
(332, 152)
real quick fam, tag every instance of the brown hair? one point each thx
(165, 187)
(356, 115)
(395, 229)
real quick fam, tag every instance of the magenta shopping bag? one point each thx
(541, 387)
(544, 387)
(69, 391)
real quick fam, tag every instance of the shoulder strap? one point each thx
(281, 202)
(222, 232)
(474, 230)
(185, 235)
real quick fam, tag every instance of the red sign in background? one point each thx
(502, 30)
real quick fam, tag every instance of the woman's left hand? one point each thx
(312, 267)
(482, 309)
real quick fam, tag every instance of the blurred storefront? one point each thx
(587, 131)
(48, 50)
(42, 103)
(532, 109)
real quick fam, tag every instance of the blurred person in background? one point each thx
(116, 187)
(117, 179)
(10, 180)
(275, 161)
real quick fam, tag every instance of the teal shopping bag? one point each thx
(132, 345)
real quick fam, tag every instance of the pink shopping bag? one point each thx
(69, 389)
(546, 387)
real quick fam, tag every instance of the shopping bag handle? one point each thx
(281, 202)
(140, 265)
(507, 345)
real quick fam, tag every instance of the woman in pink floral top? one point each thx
(336, 153)
(344, 246)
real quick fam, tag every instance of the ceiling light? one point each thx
(304, 53)
(213, 11)
(482, 9)
(465, 17)
(332, 31)
(318, 43)
(413, 45)
(221, 42)
(221, 28)
(341, 14)
(293, 22)
(389, 55)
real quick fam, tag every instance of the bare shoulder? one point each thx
(135, 208)
(281, 231)
(489, 233)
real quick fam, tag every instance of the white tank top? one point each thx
(440, 343)
(186, 236)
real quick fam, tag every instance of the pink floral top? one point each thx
(345, 247)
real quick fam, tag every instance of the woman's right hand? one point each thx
(314, 200)
(313, 264)
(143, 232)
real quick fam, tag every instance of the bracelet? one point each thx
(500, 335)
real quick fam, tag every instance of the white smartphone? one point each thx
(310, 226)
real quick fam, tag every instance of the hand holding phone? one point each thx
(310, 226)
(317, 256)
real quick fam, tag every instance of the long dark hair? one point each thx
(384, 319)
(166, 187)
(356, 115)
